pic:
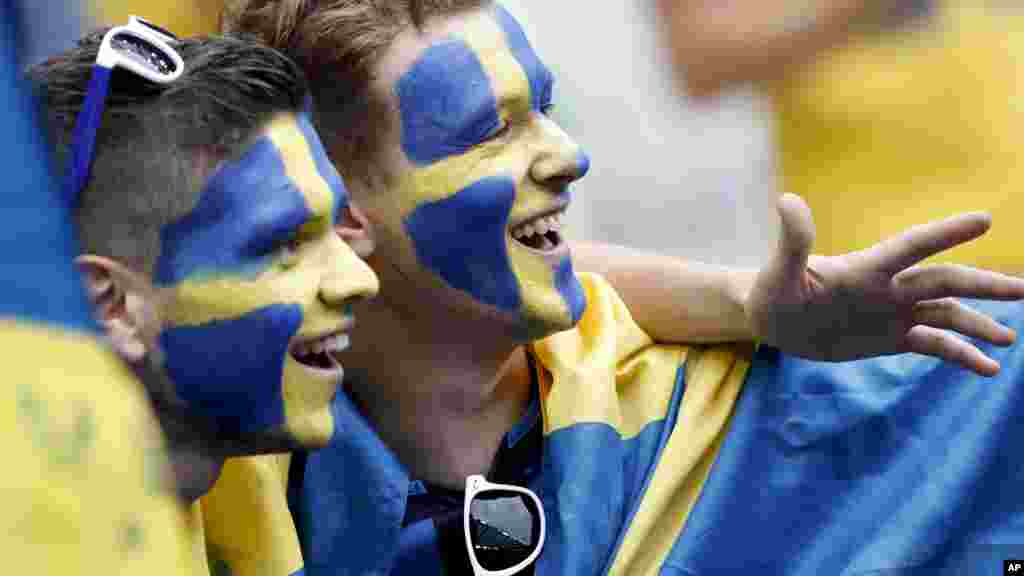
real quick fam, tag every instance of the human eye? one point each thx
(287, 252)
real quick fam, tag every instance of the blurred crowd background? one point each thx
(890, 130)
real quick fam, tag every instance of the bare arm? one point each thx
(873, 302)
(718, 43)
(672, 299)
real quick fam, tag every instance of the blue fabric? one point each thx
(896, 466)
(892, 466)
(354, 493)
(591, 485)
(83, 138)
(352, 500)
(38, 281)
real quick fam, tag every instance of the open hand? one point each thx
(878, 301)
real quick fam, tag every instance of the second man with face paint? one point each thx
(484, 348)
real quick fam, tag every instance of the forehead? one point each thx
(493, 37)
(282, 184)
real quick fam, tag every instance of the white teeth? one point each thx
(336, 343)
(539, 226)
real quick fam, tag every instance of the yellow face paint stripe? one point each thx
(297, 156)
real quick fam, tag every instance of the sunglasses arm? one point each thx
(83, 138)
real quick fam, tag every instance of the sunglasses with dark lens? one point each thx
(139, 47)
(504, 527)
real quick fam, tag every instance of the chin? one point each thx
(313, 431)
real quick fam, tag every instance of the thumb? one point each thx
(796, 236)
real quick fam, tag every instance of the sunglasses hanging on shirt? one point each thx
(504, 527)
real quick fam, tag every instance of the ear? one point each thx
(355, 229)
(122, 304)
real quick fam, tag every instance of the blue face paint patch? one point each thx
(462, 239)
(568, 285)
(582, 164)
(446, 102)
(246, 210)
(324, 166)
(232, 369)
(540, 77)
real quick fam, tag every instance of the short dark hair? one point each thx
(145, 169)
(337, 42)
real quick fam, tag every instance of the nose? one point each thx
(347, 276)
(559, 160)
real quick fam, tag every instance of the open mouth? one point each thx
(317, 353)
(542, 233)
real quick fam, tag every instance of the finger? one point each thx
(949, 314)
(919, 242)
(796, 237)
(934, 281)
(940, 344)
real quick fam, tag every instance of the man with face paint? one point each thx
(514, 367)
(211, 262)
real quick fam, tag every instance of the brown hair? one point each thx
(337, 43)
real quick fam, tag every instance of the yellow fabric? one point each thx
(608, 370)
(910, 125)
(196, 539)
(249, 530)
(86, 486)
(183, 17)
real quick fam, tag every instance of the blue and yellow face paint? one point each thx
(253, 269)
(480, 155)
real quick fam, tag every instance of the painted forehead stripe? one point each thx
(462, 239)
(446, 102)
(540, 77)
(324, 166)
(245, 211)
(232, 369)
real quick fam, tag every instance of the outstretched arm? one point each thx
(873, 302)
(672, 299)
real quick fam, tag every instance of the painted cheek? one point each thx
(232, 369)
(446, 102)
(462, 239)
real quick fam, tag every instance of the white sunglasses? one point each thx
(504, 527)
(139, 47)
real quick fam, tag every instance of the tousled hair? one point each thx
(145, 169)
(337, 43)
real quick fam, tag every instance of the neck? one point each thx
(440, 389)
(195, 462)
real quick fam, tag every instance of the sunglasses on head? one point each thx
(503, 525)
(139, 47)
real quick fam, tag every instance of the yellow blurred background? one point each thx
(183, 17)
